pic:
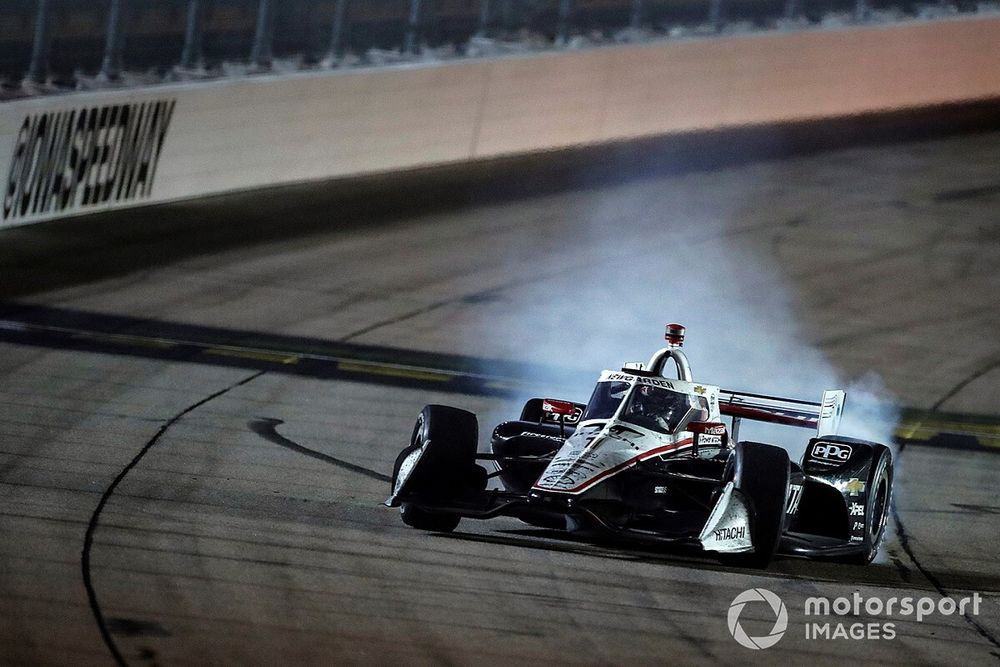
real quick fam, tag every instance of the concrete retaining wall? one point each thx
(84, 152)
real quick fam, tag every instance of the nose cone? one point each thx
(583, 462)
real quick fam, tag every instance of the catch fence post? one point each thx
(38, 66)
(412, 28)
(260, 53)
(111, 64)
(191, 54)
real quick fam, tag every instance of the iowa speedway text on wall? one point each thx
(68, 160)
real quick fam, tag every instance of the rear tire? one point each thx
(761, 475)
(879, 485)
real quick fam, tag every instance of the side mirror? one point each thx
(709, 434)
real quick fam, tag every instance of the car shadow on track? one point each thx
(893, 573)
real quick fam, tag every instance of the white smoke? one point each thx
(629, 263)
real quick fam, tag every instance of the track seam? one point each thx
(965, 383)
(904, 538)
(904, 541)
(88, 539)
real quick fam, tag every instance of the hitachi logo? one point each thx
(733, 533)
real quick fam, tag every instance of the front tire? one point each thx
(761, 475)
(417, 517)
(437, 467)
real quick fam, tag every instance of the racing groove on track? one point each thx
(235, 519)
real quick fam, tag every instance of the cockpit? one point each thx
(652, 407)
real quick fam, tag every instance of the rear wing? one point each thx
(824, 416)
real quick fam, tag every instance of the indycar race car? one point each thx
(650, 459)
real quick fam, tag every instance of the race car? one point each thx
(649, 458)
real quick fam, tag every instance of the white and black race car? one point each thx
(649, 458)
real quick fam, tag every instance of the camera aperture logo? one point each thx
(780, 618)
(852, 618)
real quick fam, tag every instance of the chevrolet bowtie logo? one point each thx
(855, 486)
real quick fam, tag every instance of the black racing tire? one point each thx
(454, 435)
(878, 505)
(448, 465)
(762, 476)
(446, 470)
(417, 517)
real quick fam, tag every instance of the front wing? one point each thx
(727, 529)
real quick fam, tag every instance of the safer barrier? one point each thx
(92, 151)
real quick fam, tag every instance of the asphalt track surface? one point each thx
(196, 429)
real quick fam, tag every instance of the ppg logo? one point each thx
(829, 452)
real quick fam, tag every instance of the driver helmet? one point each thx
(652, 402)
